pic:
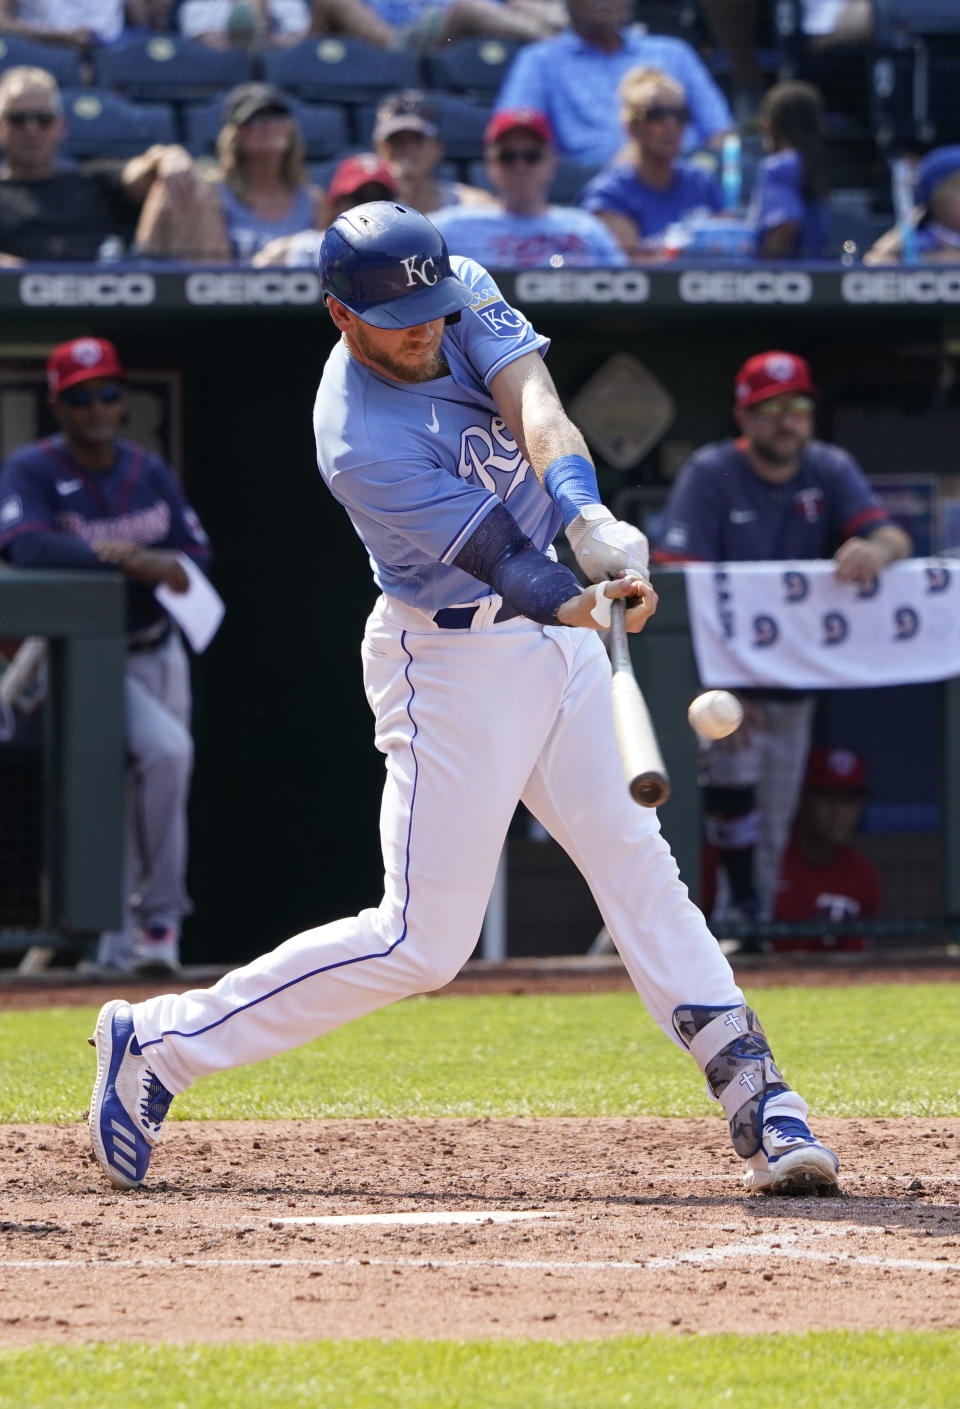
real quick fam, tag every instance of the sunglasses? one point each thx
(530, 155)
(776, 410)
(661, 113)
(81, 396)
(20, 119)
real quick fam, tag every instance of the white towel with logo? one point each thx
(792, 625)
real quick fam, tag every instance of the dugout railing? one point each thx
(81, 757)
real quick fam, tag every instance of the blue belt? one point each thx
(460, 618)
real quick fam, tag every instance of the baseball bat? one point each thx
(643, 764)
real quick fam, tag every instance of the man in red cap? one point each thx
(774, 493)
(824, 877)
(520, 229)
(88, 499)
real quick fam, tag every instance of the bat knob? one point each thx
(650, 789)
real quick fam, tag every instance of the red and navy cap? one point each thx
(518, 120)
(835, 771)
(771, 374)
(80, 361)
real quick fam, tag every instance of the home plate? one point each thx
(415, 1219)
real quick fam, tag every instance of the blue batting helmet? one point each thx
(390, 266)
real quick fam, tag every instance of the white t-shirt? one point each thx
(104, 18)
(212, 16)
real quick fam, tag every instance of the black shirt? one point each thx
(64, 216)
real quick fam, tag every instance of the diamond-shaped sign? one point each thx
(623, 410)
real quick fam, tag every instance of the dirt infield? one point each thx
(578, 1228)
(554, 1229)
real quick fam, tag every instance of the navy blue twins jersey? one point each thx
(720, 511)
(53, 512)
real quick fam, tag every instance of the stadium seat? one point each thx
(473, 67)
(102, 124)
(166, 68)
(324, 127)
(461, 124)
(915, 73)
(62, 62)
(331, 69)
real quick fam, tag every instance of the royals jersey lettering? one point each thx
(418, 466)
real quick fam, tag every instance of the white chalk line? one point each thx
(415, 1218)
(784, 1250)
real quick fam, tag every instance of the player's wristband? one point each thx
(571, 482)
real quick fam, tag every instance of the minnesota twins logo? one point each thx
(808, 504)
(795, 586)
(765, 631)
(906, 623)
(938, 579)
(836, 628)
(482, 452)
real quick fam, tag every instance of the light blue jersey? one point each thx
(419, 465)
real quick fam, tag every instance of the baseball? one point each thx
(715, 714)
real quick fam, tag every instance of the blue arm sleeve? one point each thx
(499, 553)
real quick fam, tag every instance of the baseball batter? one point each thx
(440, 431)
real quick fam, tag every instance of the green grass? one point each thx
(845, 1370)
(873, 1050)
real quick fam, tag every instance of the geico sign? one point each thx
(746, 286)
(902, 286)
(269, 287)
(582, 286)
(83, 290)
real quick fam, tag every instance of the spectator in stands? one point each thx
(146, 17)
(573, 78)
(227, 24)
(934, 231)
(648, 189)
(358, 178)
(521, 230)
(775, 493)
(87, 499)
(79, 24)
(788, 207)
(51, 213)
(831, 23)
(426, 24)
(824, 876)
(259, 191)
(407, 140)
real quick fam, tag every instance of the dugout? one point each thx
(224, 365)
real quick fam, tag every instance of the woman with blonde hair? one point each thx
(258, 191)
(647, 187)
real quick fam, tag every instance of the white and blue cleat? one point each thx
(791, 1160)
(128, 1103)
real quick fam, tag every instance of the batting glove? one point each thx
(605, 546)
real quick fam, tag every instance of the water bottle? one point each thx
(731, 174)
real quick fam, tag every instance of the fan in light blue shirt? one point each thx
(573, 78)
(521, 230)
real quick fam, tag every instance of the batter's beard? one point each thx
(403, 370)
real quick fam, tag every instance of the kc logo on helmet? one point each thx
(427, 273)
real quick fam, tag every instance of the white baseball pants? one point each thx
(470, 721)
